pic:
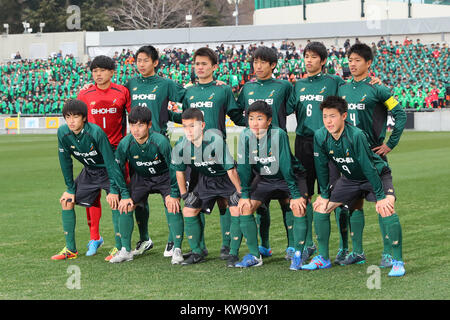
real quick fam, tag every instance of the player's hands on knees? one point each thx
(298, 206)
(382, 150)
(113, 200)
(67, 198)
(125, 205)
(173, 204)
(384, 207)
(244, 204)
(321, 204)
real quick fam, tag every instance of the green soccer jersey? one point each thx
(91, 147)
(352, 156)
(306, 98)
(271, 156)
(215, 102)
(152, 158)
(368, 107)
(274, 92)
(155, 93)
(211, 159)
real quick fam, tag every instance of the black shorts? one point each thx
(210, 189)
(267, 189)
(141, 187)
(89, 184)
(347, 191)
(304, 151)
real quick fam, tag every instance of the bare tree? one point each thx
(157, 14)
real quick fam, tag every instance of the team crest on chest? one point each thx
(363, 98)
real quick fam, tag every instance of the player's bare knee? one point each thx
(190, 212)
(298, 213)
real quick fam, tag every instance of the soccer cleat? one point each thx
(142, 246)
(112, 253)
(188, 254)
(168, 251)
(65, 254)
(354, 258)
(265, 252)
(289, 253)
(193, 258)
(232, 260)
(307, 253)
(177, 257)
(296, 262)
(122, 256)
(249, 261)
(93, 246)
(340, 257)
(398, 269)
(224, 252)
(386, 260)
(318, 262)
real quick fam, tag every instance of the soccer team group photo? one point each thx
(268, 152)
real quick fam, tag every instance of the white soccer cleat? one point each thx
(177, 256)
(122, 255)
(142, 247)
(168, 251)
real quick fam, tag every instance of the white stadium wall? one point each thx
(350, 10)
(41, 45)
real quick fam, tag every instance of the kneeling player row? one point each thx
(265, 170)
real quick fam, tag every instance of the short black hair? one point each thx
(149, 51)
(206, 52)
(193, 113)
(334, 102)
(75, 107)
(318, 48)
(103, 62)
(140, 114)
(362, 50)
(260, 106)
(265, 54)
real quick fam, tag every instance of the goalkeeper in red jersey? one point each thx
(107, 104)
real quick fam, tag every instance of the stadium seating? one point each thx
(417, 73)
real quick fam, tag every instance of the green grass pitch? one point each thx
(31, 184)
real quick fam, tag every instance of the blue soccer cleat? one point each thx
(249, 261)
(318, 262)
(289, 253)
(398, 269)
(264, 251)
(386, 261)
(296, 262)
(93, 246)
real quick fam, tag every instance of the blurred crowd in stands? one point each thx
(417, 73)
